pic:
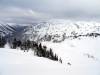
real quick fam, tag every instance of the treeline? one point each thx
(74, 36)
(38, 49)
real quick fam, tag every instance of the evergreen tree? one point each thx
(14, 43)
(60, 60)
(51, 53)
(2, 41)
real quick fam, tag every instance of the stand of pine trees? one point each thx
(38, 49)
(2, 41)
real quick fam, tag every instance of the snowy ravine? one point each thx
(80, 57)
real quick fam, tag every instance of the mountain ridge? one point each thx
(52, 30)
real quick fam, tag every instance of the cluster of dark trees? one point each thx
(38, 49)
(85, 35)
(2, 41)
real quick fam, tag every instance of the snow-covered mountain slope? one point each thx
(52, 30)
(6, 29)
(81, 57)
(12, 30)
(16, 62)
(58, 31)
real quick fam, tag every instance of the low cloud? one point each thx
(19, 15)
(33, 10)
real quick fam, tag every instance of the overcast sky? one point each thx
(28, 11)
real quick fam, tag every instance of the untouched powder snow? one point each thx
(81, 57)
(17, 62)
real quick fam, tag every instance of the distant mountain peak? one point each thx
(52, 30)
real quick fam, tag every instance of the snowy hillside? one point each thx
(77, 43)
(16, 62)
(6, 29)
(80, 57)
(10, 30)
